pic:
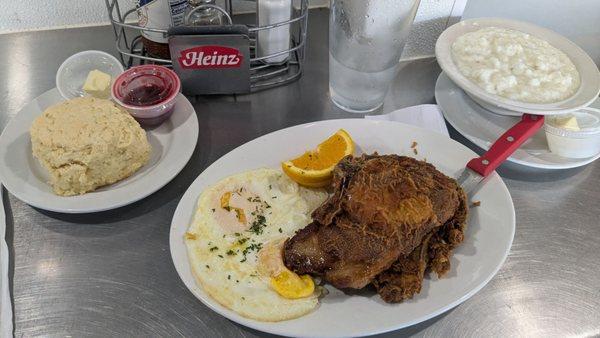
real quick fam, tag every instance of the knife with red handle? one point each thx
(478, 168)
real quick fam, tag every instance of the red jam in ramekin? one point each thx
(148, 92)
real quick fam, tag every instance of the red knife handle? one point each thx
(510, 141)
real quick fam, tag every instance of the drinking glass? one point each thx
(366, 38)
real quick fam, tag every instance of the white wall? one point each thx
(20, 15)
(433, 16)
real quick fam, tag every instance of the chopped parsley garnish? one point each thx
(230, 252)
(242, 241)
(220, 256)
(258, 224)
(214, 248)
(280, 231)
(228, 208)
(274, 197)
(255, 199)
(208, 267)
(228, 276)
(237, 234)
(213, 209)
(270, 187)
(250, 248)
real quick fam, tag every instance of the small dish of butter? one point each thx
(88, 73)
(574, 135)
(97, 84)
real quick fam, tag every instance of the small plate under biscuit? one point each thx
(173, 143)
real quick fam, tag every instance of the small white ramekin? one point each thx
(581, 143)
(73, 72)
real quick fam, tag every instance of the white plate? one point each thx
(483, 128)
(173, 143)
(590, 76)
(488, 239)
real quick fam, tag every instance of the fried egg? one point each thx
(235, 244)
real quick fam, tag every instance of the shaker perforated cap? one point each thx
(195, 3)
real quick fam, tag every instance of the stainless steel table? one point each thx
(111, 273)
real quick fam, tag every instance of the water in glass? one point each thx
(366, 38)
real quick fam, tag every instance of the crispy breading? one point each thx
(381, 209)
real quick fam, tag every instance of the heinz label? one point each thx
(216, 63)
(210, 57)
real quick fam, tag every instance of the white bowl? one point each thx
(73, 72)
(494, 109)
(588, 71)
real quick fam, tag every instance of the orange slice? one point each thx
(314, 168)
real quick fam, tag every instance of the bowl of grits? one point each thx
(511, 67)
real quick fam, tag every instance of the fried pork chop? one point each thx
(404, 278)
(381, 210)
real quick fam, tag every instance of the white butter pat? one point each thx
(567, 121)
(97, 84)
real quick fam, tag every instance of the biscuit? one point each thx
(86, 143)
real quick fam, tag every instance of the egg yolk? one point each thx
(225, 200)
(285, 282)
(239, 212)
(289, 285)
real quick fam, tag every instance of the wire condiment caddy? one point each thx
(262, 74)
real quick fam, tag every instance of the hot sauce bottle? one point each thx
(159, 14)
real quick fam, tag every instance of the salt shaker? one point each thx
(277, 39)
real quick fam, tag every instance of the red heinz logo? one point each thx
(210, 57)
